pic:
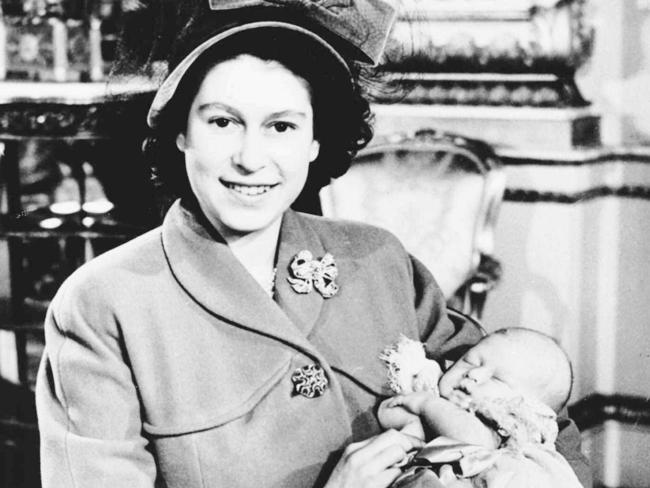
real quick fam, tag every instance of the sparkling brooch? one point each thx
(309, 381)
(308, 273)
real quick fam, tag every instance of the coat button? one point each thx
(309, 381)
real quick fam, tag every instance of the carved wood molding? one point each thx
(98, 120)
(481, 90)
(520, 37)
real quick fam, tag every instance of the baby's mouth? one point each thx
(248, 190)
(466, 386)
(460, 397)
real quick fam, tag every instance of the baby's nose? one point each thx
(474, 376)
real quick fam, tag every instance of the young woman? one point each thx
(237, 345)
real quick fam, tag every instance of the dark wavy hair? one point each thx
(342, 117)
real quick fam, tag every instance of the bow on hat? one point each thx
(365, 24)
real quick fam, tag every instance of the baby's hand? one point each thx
(393, 415)
(414, 403)
(460, 398)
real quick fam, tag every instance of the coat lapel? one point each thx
(295, 236)
(343, 334)
(208, 271)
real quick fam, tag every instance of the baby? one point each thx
(493, 404)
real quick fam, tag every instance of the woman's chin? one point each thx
(244, 223)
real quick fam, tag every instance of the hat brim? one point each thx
(168, 87)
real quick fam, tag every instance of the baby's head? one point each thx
(512, 361)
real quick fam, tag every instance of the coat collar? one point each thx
(211, 275)
(208, 271)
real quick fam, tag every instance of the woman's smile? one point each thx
(247, 189)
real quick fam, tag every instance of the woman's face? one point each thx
(248, 143)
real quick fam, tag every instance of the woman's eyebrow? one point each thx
(287, 113)
(219, 106)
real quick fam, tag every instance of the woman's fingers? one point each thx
(373, 463)
(386, 477)
(389, 457)
(371, 448)
(447, 474)
(406, 441)
(356, 446)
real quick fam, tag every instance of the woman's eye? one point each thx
(282, 126)
(221, 122)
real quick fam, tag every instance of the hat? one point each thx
(362, 26)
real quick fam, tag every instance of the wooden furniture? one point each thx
(73, 185)
(440, 194)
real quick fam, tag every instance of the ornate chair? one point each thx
(440, 194)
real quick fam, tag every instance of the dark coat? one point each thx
(166, 363)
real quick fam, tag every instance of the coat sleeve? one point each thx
(443, 338)
(568, 444)
(87, 402)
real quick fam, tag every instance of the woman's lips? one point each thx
(247, 189)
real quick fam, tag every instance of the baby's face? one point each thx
(491, 369)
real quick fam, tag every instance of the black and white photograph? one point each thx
(324, 243)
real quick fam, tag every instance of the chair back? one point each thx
(439, 193)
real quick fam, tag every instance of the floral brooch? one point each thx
(308, 273)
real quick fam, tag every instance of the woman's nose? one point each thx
(251, 155)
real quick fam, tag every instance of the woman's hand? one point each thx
(373, 463)
(450, 480)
